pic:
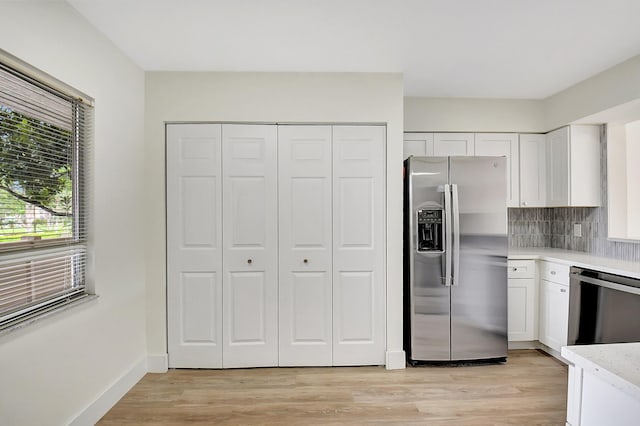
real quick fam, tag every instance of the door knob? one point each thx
(306, 261)
(249, 261)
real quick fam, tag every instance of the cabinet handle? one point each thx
(515, 269)
(306, 261)
(563, 290)
(524, 203)
(249, 261)
(552, 272)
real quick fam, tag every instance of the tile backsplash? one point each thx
(553, 227)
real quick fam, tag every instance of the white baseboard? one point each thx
(528, 344)
(396, 360)
(109, 398)
(157, 363)
(553, 353)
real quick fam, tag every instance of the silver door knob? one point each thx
(306, 261)
(249, 261)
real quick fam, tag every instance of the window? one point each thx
(45, 135)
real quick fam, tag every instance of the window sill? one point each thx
(48, 313)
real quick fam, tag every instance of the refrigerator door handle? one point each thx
(455, 213)
(448, 238)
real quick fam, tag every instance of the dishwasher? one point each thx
(603, 308)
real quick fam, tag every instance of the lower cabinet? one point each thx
(595, 400)
(554, 305)
(538, 302)
(523, 300)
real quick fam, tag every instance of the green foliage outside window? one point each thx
(35, 178)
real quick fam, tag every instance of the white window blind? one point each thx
(45, 139)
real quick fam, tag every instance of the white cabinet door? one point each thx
(305, 271)
(544, 313)
(558, 168)
(521, 308)
(523, 300)
(533, 173)
(358, 245)
(445, 144)
(554, 314)
(250, 240)
(418, 144)
(499, 144)
(194, 246)
(573, 166)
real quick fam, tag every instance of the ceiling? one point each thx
(444, 48)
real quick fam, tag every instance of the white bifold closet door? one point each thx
(250, 254)
(304, 175)
(194, 245)
(275, 245)
(359, 245)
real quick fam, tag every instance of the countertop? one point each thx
(617, 364)
(580, 259)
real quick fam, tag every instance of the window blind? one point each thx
(45, 141)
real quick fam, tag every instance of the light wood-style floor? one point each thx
(530, 389)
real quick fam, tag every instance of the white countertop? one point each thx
(580, 259)
(617, 364)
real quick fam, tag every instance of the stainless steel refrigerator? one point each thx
(455, 251)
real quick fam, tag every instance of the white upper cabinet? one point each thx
(533, 175)
(558, 168)
(503, 144)
(458, 144)
(573, 166)
(439, 144)
(418, 144)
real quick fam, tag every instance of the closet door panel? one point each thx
(247, 319)
(250, 242)
(358, 245)
(503, 144)
(305, 248)
(194, 241)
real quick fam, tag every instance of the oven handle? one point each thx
(607, 284)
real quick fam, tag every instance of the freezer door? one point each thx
(479, 290)
(428, 295)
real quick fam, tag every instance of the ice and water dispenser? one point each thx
(429, 230)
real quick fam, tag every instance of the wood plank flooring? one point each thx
(530, 389)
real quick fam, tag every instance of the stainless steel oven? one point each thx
(603, 308)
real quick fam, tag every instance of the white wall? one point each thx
(473, 115)
(612, 95)
(633, 177)
(269, 97)
(611, 88)
(617, 180)
(52, 370)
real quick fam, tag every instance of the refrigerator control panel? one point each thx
(429, 232)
